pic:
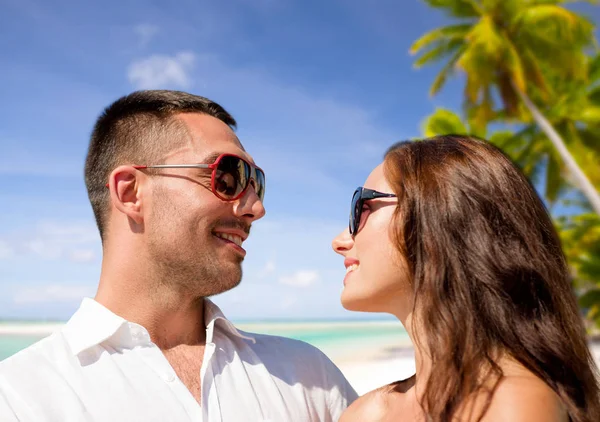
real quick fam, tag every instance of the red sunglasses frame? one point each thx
(213, 167)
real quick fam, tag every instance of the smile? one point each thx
(351, 268)
(231, 237)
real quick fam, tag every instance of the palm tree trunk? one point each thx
(580, 179)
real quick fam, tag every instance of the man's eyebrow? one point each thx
(210, 158)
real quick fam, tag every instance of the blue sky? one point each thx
(319, 89)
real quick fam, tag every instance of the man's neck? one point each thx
(171, 317)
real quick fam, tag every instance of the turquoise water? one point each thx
(11, 344)
(334, 338)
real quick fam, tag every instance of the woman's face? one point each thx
(376, 278)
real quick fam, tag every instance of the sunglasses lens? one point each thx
(355, 211)
(260, 184)
(232, 176)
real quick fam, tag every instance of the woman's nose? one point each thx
(342, 243)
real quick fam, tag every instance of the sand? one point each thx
(383, 366)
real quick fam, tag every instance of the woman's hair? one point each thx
(488, 274)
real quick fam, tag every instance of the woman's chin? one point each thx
(359, 304)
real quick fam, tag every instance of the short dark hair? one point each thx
(138, 128)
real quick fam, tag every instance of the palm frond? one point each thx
(591, 115)
(441, 51)
(535, 75)
(446, 71)
(442, 122)
(554, 24)
(484, 37)
(553, 178)
(594, 69)
(457, 8)
(443, 34)
(514, 66)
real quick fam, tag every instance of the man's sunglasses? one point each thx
(230, 178)
(358, 199)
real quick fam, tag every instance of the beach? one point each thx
(369, 353)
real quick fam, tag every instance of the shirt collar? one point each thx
(93, 324)
(212, 314)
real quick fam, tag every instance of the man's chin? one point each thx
(230, 277)
(222, 288)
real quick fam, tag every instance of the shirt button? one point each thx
(170, 377)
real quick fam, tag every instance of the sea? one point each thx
(338, 339)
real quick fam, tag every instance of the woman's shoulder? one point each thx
(381, 404)
(522, 396)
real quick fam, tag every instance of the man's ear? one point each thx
(125, 184)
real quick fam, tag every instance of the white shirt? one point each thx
(100, 367)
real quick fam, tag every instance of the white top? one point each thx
(100, 367)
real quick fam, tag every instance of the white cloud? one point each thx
(160, 71)
(52, 293)
(302, 278)
(145, 32)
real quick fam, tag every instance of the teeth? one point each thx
(231, 237)
(351, 268)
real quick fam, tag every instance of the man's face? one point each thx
(191, 233)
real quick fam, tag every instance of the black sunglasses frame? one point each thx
(358, 199)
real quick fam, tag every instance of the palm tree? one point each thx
(528, 155)
(580, 236)
(508, 49)
(573, 108)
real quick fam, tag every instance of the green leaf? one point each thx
(446, 71)
(553, 179)
(439, 52)
(444, 34)
(590, 299)
(594, 68)
(485, 38)
(555, 24)
(456, 8)
(443, 122)
(515, 67)
(590, 115)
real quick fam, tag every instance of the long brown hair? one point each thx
(488, 274)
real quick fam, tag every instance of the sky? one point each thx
(320, 89)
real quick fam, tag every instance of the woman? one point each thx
(450, 237)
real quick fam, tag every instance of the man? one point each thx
(174, 194)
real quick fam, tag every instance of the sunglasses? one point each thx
(358, 199)
(230, 178)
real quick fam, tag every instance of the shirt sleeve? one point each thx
(342, 395)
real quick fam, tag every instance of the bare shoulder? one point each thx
(381, 405)
(524, 397)
(370, 407)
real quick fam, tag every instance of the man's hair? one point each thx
(488, 274)
(139, 128)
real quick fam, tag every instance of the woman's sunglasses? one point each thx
(358, 199)
(230, 178)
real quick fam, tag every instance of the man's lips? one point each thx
(235, 236)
